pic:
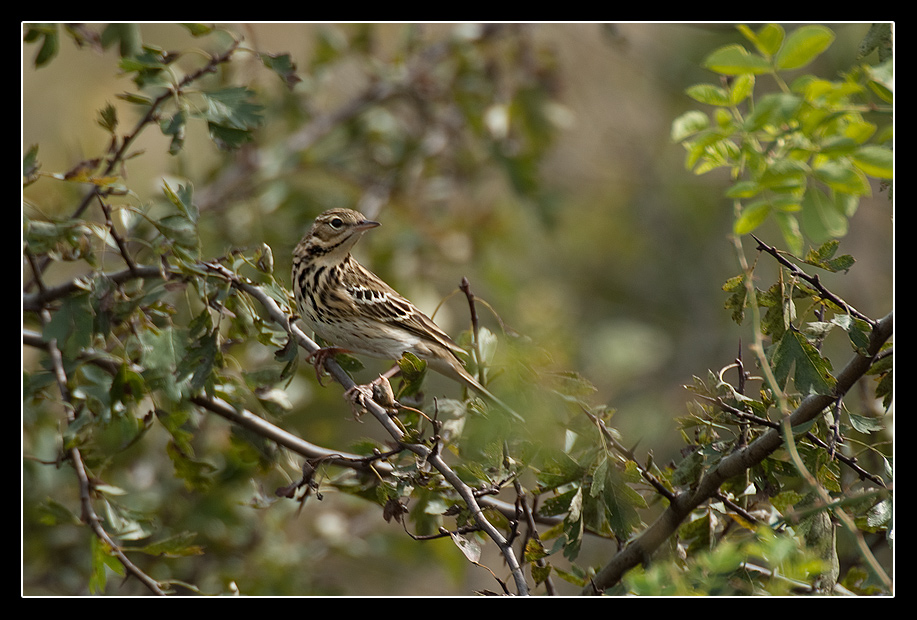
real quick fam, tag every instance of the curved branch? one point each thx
(87, 512)
(736, 463)
(431, 456)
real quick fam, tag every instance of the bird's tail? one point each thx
(465, 377)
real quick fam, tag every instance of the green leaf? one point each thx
(767, 40)
(743, 189)
(161, 352)
(789, 228)
(710, 94)
(413, 370)
(197, 30)
(802, 46)
(823, 257)
(52, 512)
(841, 176)
(620, 500)
(232, 108)
(736, 301)
(736, 60)
(876, 161)
(176, 546)
(195, 474)
(688, 124)
(857, 330)
(811, 372)
(50, 43)
(742, 86)
(108, 118)
(822, 217)
(775, 109)
(182, 199)
(752, 216)
(283, 66)
(30, 165)
(71, 325)
(127, 36)
(174, 126)
(231, 116)
(558, 470)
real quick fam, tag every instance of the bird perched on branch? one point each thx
(355, 311)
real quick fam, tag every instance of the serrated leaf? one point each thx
(231, 116)
(620, 500)
(108, 118)
(182, 200)
(811, 372)
(866, 424)
(823, 257)
(413, 370)
(174, 127)
(71, 325)
(283, 66)
(195, 474)
(232, 107)
(558, 470)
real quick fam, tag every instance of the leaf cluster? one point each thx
(802, 155)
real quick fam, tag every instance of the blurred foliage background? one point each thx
(579, 226)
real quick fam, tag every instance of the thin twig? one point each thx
(813, 280)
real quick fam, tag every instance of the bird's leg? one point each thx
(318, 358)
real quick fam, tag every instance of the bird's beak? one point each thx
(366, 225)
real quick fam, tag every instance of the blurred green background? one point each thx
(613, 265)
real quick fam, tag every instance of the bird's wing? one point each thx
(377, 300)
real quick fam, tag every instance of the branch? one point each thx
(736, 463)
(813, 280)
(87, 512)
(120, 154)
(430, 456)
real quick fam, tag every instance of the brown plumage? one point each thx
(354, 310)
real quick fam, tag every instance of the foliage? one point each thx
(800, 155)
(146, 330)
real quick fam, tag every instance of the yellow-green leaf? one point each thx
(876, 161)
(802, 46)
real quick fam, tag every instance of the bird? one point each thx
(355, 311)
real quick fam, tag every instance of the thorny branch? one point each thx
(815, 281)
(642, 547)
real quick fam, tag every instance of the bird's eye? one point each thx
(337, 223)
